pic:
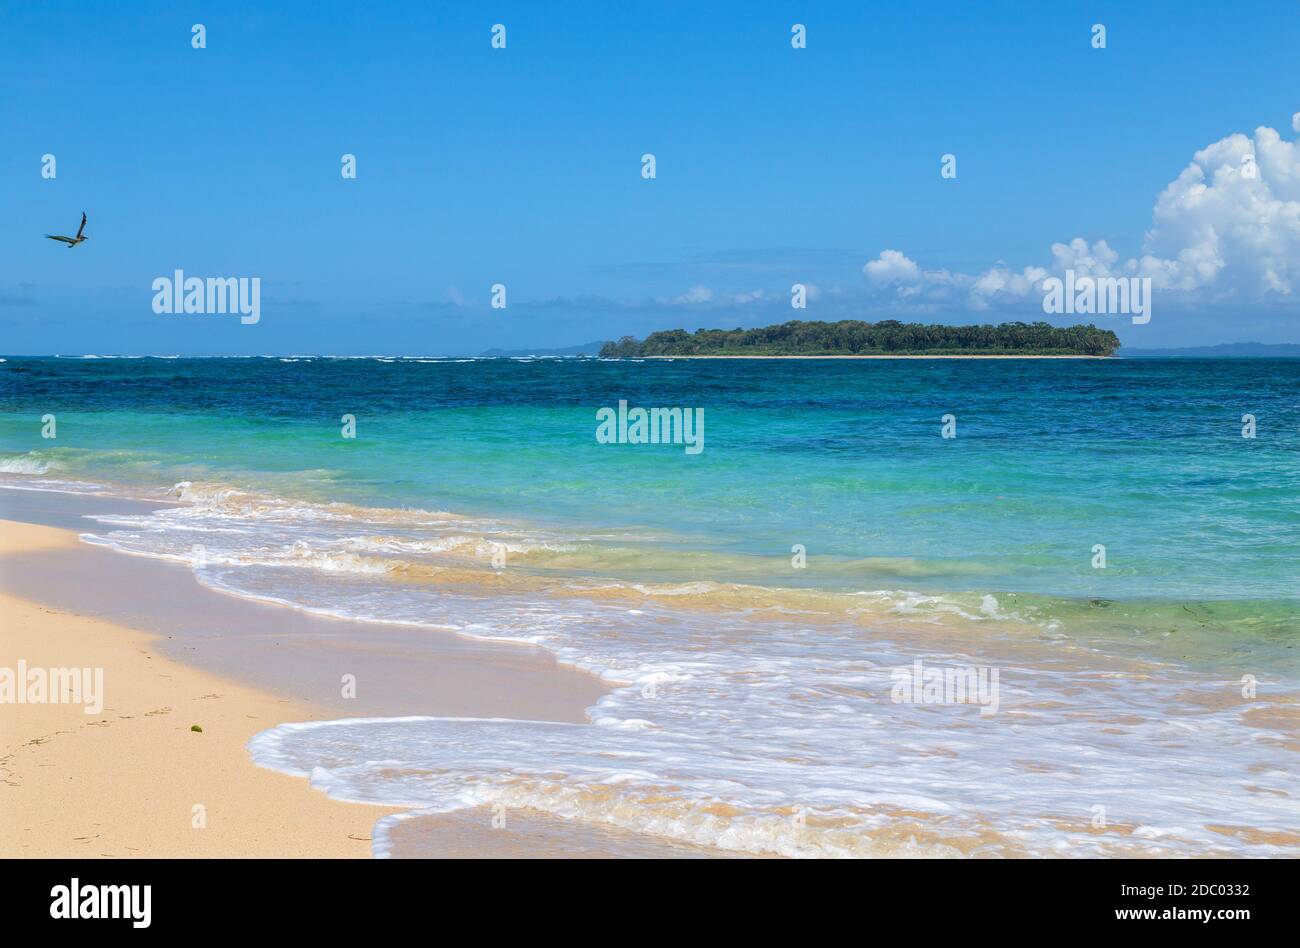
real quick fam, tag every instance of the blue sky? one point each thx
(522, 166)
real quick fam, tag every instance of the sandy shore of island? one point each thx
(876, 357)
(134, 779)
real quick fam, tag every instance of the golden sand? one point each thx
(127, 781)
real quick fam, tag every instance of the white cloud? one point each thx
(1230, 223)
(1227, 228)
(999, 282)
(696, 294)
(892, 266)
(701, 295)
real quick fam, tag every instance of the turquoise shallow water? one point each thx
(844, 458)
(754, 706)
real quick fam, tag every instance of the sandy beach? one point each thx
(126, 781)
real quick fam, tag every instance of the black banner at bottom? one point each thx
(208, 897)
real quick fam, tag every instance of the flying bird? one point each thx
(73, 241)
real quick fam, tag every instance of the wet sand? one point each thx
(398, 669)
(480, 833)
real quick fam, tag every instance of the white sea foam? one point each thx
(23, 464)
(835, 779)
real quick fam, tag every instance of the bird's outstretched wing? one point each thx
(83, 224)
(66, 240)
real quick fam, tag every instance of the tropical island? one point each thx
(851, 337)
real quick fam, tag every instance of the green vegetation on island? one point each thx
(852, 337)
